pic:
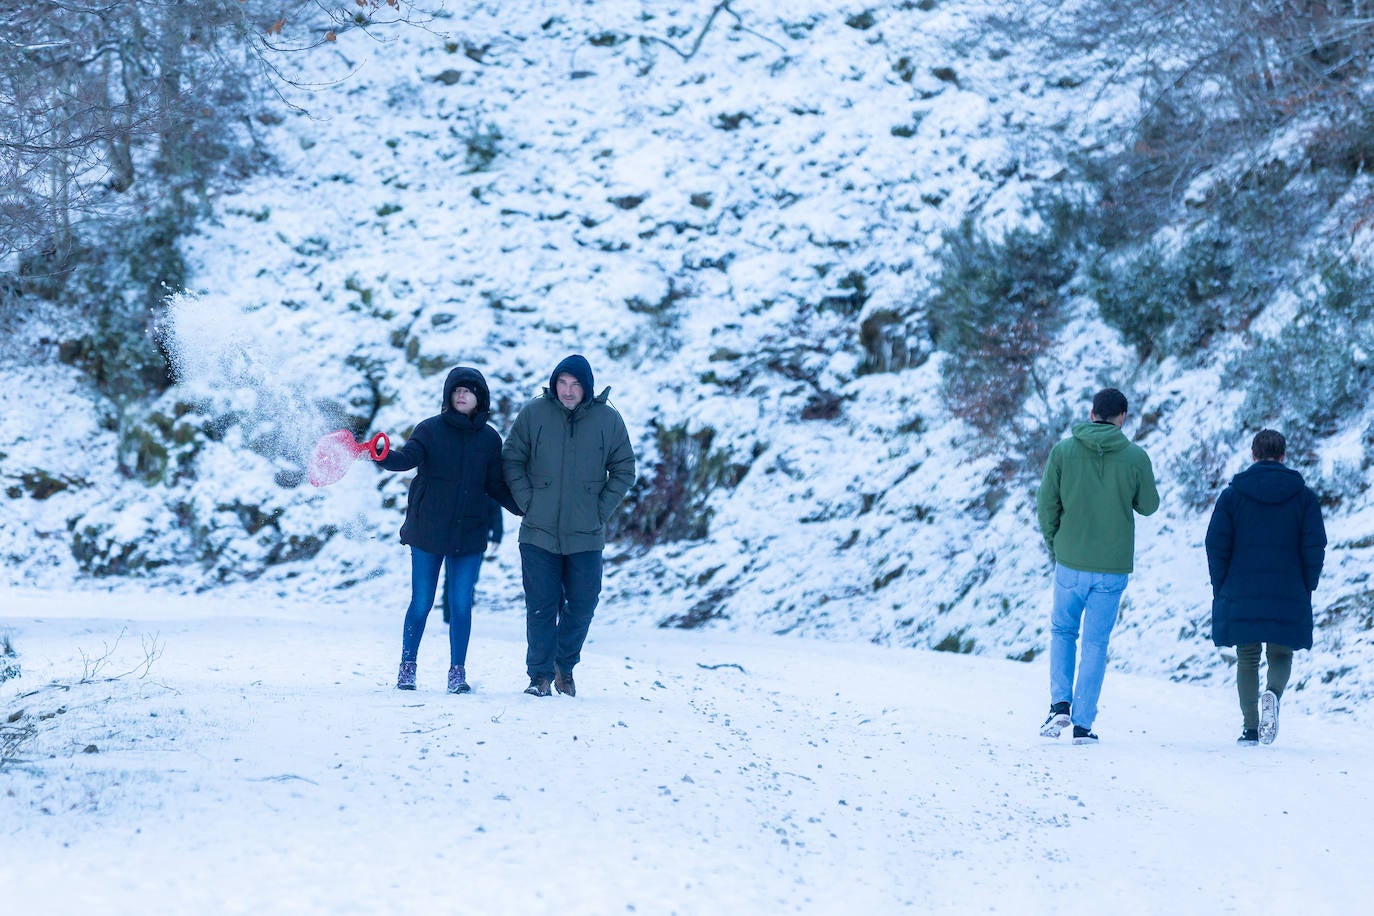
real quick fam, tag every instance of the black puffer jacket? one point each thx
(1265, 547)
(459, 465)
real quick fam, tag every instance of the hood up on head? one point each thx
(472, 380)
(578, 367)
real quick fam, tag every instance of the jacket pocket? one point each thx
(542, 512)
(584, 507)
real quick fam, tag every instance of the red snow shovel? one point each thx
(335, 452)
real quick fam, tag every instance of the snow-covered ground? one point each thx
(264, 764)
(695, 227)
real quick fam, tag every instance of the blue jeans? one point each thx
(1091, 599)
(460, 572)
(561, 593)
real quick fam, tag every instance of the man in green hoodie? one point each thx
(1094, 481)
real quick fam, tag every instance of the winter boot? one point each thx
(457, 680)
(563, 683)
(405, 678)
(1249, 737)
(539, 686)
(1269, 717)
(1082, 736)
(1058, 721)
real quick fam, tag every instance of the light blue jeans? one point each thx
(1090, 599)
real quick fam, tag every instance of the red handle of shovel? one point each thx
(334, 452)
(378, 447)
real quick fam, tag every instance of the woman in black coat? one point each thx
(1265, 547)
(457, 458)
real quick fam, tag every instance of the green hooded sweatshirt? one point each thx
(1093, 480)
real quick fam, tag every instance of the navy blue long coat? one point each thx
(459, 466)
(1265, 547)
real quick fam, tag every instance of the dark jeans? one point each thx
(460, 578)
(561, 592)
(1247, 677)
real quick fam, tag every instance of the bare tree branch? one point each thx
(723, 6)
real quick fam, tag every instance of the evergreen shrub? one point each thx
(9, 660)
(117, 291)
(483, 143)
(995, 308)
(1173, 302)
(1199, 475)
(1317, 369)
(893, 340)
(669, 503)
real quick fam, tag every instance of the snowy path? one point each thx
(265, 765)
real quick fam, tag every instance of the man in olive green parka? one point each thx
(568, 462)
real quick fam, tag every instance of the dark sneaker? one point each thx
(1269, 717)
(405, 678)
(563, 683)
(457, 680)
(1058, 721)
(1082, 736)
(539, 686)
(1249, 737)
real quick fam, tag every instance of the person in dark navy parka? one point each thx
(1265, 548)
(457, 458)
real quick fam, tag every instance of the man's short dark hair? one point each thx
(1108, 404)
(1269, 445)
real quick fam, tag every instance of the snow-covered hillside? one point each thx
(739, 237)
(262, 763)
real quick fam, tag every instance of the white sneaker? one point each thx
(1056, 723)
(1269, 717)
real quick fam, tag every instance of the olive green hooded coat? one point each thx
(568, 469)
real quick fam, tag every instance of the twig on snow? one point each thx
(152, 651)
(283, 777)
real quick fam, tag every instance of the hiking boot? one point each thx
(405, 678)
(1269, 717)
(1082, 736)
(457, 680)
(563, 683)
(1249, 737)
(1058, 721)
(539, 686)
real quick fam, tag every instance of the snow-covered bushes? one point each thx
(1317, 370)
(894, 339)
(9, 660)
(1199, 475)
(41, 484)
(129, 536)
(671, 497)
(995, 308)
(1168, 302)
(104, 294)
(159, 446)
(482, 143)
